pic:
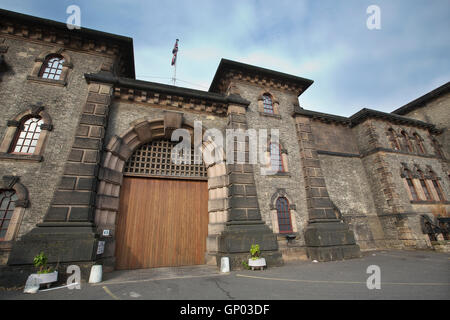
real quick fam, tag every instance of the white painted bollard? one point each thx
(224, 265)
(96, 274)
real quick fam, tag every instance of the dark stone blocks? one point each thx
(67, 183)
(330, 240)
(87, 184)
(93, 120)
(244, 202)
(60, 244)
(81, 169)
(74, 198)
(75, 155)
(57, 214)
(87, 143)
(98, 98)
(81, 214)
(241, 178)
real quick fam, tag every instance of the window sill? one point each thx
(272, 115)
(59, 83)
(5, 245)
(277, 174)
(20, 157)
(428, 202)
(288, 236)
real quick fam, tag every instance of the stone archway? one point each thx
(119, 150)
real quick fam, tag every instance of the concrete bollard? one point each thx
(96, 274)
(224, 265)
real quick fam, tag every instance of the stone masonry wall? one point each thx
(437, 112)
(64, 105)
(267, 185)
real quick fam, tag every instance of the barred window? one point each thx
(284, 215)
(8, 200)
(52, 67)
(155, 159)
(268, 104)
(27, 136)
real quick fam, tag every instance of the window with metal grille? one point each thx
(284, 215)
(155, 159)
(268, 104)
(276, 160)
(8, 200)
(27, 136)
(52, 67)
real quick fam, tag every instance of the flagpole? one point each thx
(174, 79)
(174, 62)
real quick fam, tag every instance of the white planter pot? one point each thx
(258, 263)
(45, 278)
(35, 280)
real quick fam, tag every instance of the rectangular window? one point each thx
(437, 187)
(425, 190)
(412, 189)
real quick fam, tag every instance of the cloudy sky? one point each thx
(324, 40)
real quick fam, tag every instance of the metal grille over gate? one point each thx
(154, 159)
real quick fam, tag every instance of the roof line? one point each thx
(225, 63)
(107, 77)
(419, 102)
(362, 115)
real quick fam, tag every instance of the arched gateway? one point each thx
(163, 212)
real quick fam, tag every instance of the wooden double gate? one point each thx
(162, 221)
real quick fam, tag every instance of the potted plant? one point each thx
(46, 275)
(256, 261)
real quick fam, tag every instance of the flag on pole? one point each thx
(174, 51)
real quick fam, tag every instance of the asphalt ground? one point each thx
(405, 275)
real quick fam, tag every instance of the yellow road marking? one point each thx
(343, 282)
(110, 293)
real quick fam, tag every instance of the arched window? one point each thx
(268, 104)
(276, 160)
(406, 142)
(27, 136)
(284, 215)
(393, 139)
(411, 186)
(424, 185)
(419, 144)
(437, 186)
(8, 200)
(52, 67)
(437, 148)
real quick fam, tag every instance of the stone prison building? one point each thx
(86, 175)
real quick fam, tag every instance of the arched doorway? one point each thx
(163, 211)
